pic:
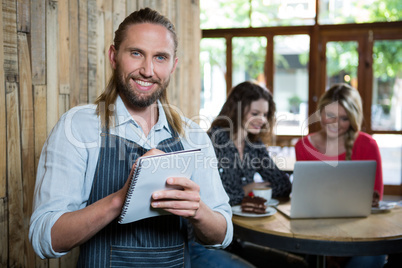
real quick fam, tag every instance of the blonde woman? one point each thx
(340, 138)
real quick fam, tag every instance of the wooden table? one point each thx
(377, 234)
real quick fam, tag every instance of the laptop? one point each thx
(332, 189)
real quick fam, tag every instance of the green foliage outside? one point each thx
(389, 10)
(342, 56)
(249, 55)
(387, 61)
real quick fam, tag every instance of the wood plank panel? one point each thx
(195, 66)
(163, 6)
(100, 48)
(38, 42)
(52, 65)
(14, 183)
(23, 16)
(187, 32)
(183, 44)
(173, 90)
(119, 14)
(27, 138)
(41, 263)
(64, 47)
(40, 138)
(3, 133)
(92, 41)
(83, 51)
(74, 56)
(54, 263)
(40, 120)
(108, 40)
(64, 103)
(70, 260)
(10, 40)
(131, 6)
(143, 3)
(3, 232)
(3, 157)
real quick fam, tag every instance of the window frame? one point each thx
(365, 34)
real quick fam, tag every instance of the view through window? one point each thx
(342, 62)
(213, 72)
(358, 11)
(295, 89)
(386, 111)
(291, 83)
(249, 59)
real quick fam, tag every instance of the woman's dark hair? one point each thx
(238, 104)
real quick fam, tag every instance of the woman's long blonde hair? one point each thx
(349, 98)
(105, 101)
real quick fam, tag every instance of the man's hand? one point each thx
(375, 203)
(121, 194)
(183, 200)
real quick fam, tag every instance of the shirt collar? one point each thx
(123, 116)
(162, 120)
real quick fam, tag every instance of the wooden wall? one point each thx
(53, 57)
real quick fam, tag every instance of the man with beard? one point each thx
(83, 172)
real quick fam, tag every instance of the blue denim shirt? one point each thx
(68, 161)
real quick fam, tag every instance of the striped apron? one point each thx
(153, 242)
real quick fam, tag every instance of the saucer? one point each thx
(383, 206)
(273, 203)
(237, 211)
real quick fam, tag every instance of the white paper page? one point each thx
(154, 171)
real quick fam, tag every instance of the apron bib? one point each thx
(152, 242)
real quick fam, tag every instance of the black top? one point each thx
(235, 173)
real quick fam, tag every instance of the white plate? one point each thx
(273, 203)
(383, 206)
(237, 211)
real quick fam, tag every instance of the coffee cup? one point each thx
(264, 192)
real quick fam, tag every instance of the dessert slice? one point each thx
(253, 204)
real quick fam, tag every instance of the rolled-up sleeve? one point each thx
(62, 183)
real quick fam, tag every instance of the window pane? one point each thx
(342, 63)
(391, 156)
(248, 59)
(282, 13)
(215, 14)
(386, 112)
(213, 83)
(291, 83)
(359, 11)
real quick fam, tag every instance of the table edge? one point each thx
(319, 247)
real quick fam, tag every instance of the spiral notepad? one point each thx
(150, 175)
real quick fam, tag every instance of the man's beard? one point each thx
(135, 99)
